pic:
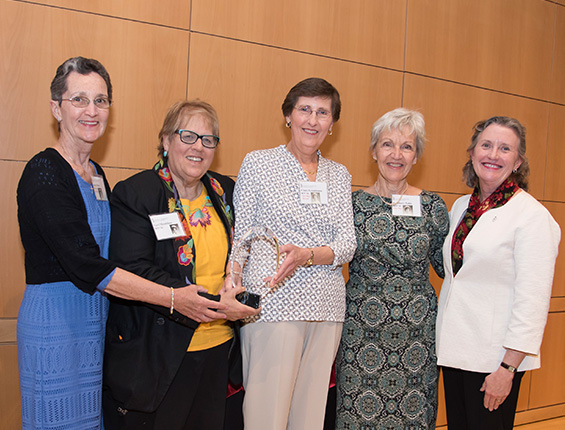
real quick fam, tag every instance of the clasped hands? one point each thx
(201, 309)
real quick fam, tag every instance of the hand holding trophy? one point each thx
(254, 261)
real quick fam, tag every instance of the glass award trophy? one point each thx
(254, 261)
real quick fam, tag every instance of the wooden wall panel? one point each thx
(173, 13)
(367, 31)
(450, 111)
(12, 276)
(557, 81)
(10, 391)
(558, 212)
(500, 44)
(250, 112)
(555, 173)
(544, 389)
(147, 64)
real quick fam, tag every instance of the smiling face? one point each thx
(81, 125)
(395, 154)
(309, 131)
(189, 162)
(495, 156)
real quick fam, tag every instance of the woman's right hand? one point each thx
(196, 307)
(235, 310)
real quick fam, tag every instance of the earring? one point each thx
(330, 132)
(288, 124)
(165, 153)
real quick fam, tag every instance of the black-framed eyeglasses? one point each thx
(189, 137)
(82, 102)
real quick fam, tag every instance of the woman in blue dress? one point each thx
(64, 219)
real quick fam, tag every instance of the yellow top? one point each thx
(211, 247)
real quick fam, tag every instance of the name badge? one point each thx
(313, 193)
(167, 226)
(99, 188)
(406, 206)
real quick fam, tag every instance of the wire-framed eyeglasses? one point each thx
(82, 102)
(306, 111)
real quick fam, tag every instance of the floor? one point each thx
(554, 424)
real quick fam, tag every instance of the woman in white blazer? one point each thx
(499, 259)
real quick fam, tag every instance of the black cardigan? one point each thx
(58, 241)
(145, 344)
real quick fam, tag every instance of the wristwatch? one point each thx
(310, 261)
(511, 369)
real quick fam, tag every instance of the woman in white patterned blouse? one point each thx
(288, 350)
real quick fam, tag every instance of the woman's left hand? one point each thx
(236, 310)
(496, 387)
(294, 256)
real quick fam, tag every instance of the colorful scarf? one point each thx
(498, 198)
(184, 246)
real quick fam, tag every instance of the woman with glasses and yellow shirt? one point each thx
(173, 225)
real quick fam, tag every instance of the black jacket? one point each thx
(144, 343)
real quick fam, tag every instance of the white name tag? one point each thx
(313, 193)
(406, 206)
(99, 188)
(167, 226)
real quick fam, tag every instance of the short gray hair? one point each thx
(397, 119)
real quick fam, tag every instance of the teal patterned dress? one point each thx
(386, 365)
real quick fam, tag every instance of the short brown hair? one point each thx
(83, 66)
(312, 87)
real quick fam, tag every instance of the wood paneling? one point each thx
(367, 31)
(544, 389)
(12, 276)
(557, 81)
(147, 64)
(250, 113)
(555, 174)
(10, 389)
(8, 330)
(172, 13)
(501, 44)
(558, 212)
(450, 111)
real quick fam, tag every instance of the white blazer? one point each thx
(500, 297)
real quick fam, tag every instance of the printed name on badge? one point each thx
(313, 193)
(99, 188)
(167, 226)
(406, 206)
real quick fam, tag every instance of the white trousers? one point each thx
(286, 373)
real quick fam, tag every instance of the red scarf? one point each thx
(498, 198)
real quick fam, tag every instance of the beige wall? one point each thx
(457, 61)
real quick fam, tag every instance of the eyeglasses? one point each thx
(82, 102)
(306, 112)
(190, 138)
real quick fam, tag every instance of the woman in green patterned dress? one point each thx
(386, 366)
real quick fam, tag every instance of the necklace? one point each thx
(387, 203)
(309, 173)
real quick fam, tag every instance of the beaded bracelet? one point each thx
(172, 300)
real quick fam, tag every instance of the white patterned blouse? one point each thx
(267, 193)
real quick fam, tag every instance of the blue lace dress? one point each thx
(61, 343)
(386, 365)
